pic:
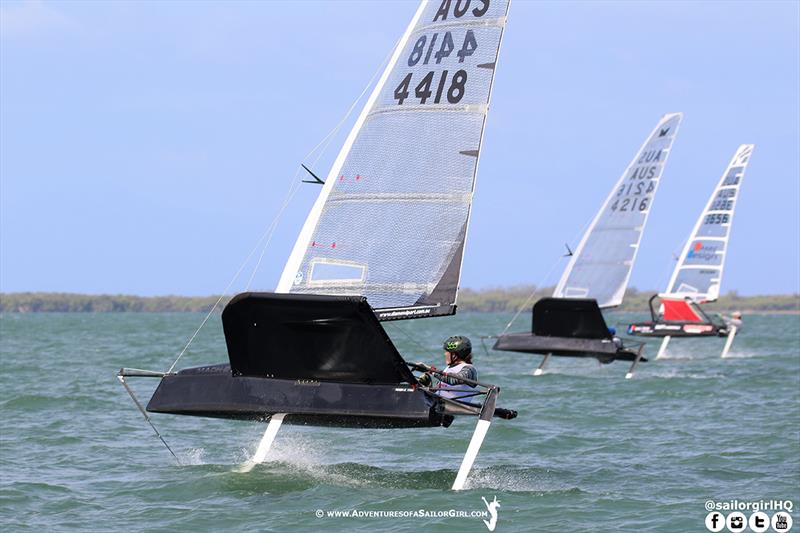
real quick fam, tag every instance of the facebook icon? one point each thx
(715, 521)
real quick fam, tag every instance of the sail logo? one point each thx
(693, 328)
(492, 507)
(743, 156)
(703, 252)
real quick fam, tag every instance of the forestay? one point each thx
(601, 265)
(391, 220)
(699, 271)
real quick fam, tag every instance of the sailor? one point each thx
(735, 320)
(616, 340)
(458, 358)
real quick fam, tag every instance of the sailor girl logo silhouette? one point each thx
(492, 507)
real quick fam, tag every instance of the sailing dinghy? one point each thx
(571, 324)
(384, 241)
(697, 276)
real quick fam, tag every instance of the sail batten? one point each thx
(698, 274)
(600, 267)
(378, 198)
(472, 108)
(391, 220)
(498, 22)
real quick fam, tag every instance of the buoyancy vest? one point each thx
(458, 390)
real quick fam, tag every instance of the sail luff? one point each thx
(304, 239)
(615, 299)
(740, 160)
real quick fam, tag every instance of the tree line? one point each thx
(492, 300)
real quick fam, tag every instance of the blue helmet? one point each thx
(612, 330)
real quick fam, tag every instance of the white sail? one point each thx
(698, 274)
(391, 220)
(601, 264)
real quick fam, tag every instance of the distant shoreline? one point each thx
(494, 300)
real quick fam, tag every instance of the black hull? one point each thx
(676, 329)
(603, 350)
(213, 391)
(319, 360)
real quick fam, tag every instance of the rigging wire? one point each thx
(413, 340)
(530, 296)
(669, 267)
(270, 229)
(273, 226)
(146, 416)
(545, 278)
(321, 148)
(216, 304)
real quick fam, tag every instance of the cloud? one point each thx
(30, 17)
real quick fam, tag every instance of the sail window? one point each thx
(325, 272)
(575, 292)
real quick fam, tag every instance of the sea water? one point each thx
(589, 451)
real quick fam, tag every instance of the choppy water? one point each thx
(589, 451)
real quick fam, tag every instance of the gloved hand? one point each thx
(425, 380)
(422, 367)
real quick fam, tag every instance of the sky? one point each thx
(146, 146)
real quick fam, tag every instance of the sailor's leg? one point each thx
(629, 375)
(663, 347)
(540, 369)
(729, 341)
(266, 442)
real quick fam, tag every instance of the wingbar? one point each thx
(136, 373)
(415, 366)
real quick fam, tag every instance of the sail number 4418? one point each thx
(424, 90)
